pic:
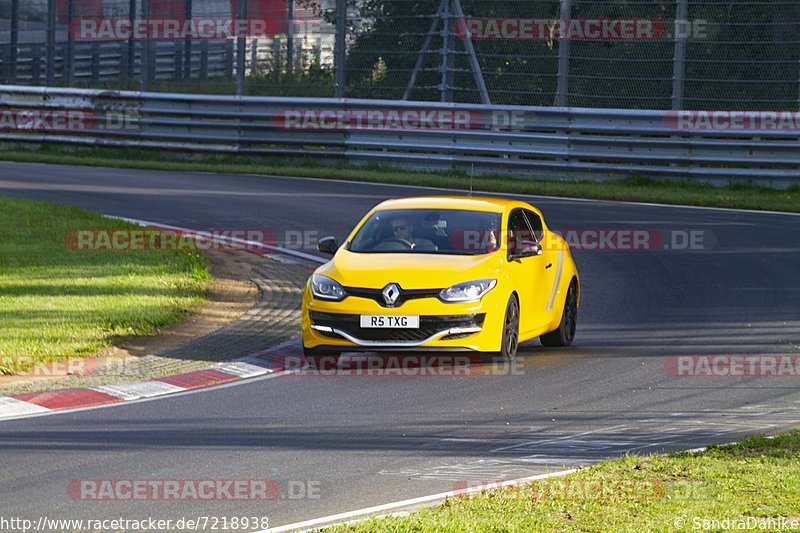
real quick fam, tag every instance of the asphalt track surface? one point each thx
(354, 442)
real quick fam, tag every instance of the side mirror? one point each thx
(328, 245)
(526, 249)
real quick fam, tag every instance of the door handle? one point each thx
(548, 266)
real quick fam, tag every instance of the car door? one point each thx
(551, 266)
(528, 274)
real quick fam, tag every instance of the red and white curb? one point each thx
(31, 403)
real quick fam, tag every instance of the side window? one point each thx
(535, 222)
(518, 229)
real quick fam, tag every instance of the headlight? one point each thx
(468, 291)
(325, 288)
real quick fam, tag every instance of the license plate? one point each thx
(389, 321)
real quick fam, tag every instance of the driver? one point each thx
(404, 230)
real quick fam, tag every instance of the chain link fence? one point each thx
(637, 54)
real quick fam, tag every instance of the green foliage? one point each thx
(740, 55)
(756, 480)
(58, 302)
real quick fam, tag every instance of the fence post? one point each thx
(146, 58)
(36, 64)
(70, 50)
(123, 62)
(187, 46)
(679, 66)
(50, 67)
(179, 49)
(95, 65)
(229, 57)
(477, 74)
(5, 72)
(241, 50)
(340, 49)
(14, 41)
(131, 51)
(290, 38)
(562, 88)
(447, 52)
(204, 59)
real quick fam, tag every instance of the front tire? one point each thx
(315, 356)
(510, 336)
(569, 318)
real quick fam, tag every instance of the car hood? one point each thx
(409, 270)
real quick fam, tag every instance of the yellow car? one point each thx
(442, 274)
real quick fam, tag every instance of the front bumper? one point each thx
(431, 328)
(462, 326)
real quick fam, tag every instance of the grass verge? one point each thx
(58, 303)
(749, 484)
(637, 188)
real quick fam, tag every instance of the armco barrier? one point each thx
(519, 141)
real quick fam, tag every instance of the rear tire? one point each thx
(569, 317)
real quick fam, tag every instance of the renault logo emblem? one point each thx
(390, 294)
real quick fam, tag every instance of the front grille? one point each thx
(405, 294)
(428, 326)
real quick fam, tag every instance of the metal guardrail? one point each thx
(560, 143)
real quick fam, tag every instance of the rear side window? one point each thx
(518, 229)
(535, 222)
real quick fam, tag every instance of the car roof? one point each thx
(478, 203)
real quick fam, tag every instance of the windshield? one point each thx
(430, 231)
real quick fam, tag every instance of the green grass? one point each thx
(756, 479)
(58, 303)
(637, 188)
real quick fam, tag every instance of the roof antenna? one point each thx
(471, 174)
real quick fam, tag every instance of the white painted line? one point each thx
(343, 518)
(704, 448)
(240, 242)
(12, 407)
(465, 192)
(338, 518)
(284, 259)
(242, 369)
(138, 389)
(608, 429)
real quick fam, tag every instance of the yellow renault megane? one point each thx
(442, 274)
